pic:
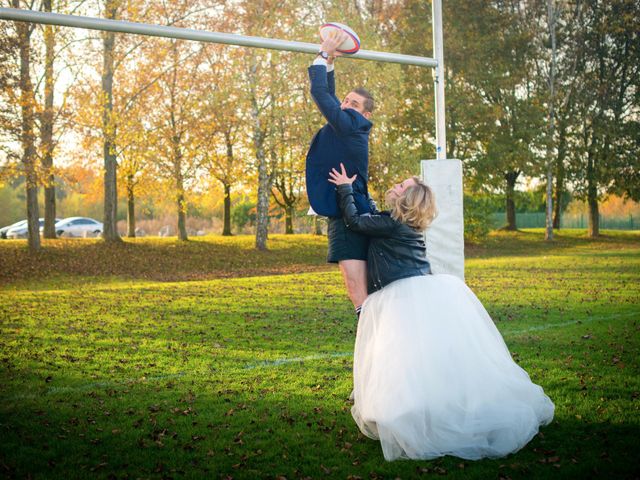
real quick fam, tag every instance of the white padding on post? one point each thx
(445, 236)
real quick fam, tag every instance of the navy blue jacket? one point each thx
(344, 139)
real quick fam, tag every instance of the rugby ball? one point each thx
(350, 45)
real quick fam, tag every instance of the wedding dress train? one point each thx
(433, 376)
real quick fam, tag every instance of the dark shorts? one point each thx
(345, 244)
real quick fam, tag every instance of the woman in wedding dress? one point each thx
(432, 374)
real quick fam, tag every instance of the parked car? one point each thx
(4, 230)
(78, 227)
(21, 229)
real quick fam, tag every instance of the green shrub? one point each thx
(477, 218)
(243, 213)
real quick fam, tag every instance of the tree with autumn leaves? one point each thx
(158, 113)
(34, 57)
(221, 127)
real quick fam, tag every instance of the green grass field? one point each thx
(155, 359)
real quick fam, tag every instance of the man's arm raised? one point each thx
(331, 77)
(323, 85)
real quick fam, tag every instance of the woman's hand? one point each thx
(340, 178)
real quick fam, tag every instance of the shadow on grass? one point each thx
(163, 259)
(531, 242)
(260, 427)
(209, 415)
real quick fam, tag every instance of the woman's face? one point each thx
(398, 189)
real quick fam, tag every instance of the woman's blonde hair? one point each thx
(416, 206)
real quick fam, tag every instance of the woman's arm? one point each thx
(375, 225)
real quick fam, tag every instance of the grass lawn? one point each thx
(208, 359)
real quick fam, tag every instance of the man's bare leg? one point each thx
(354, 273)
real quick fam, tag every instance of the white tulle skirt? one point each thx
(433, 376)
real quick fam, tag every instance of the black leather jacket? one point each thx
(395, 249)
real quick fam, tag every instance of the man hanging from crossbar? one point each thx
(343, 139)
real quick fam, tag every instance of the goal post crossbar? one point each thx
(122, 26)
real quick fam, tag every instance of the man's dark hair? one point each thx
(368, 99)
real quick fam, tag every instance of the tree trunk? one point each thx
(317, 225)
(182, 217)
(548, 233)
(226, 230)
(182, 207)
(560, 172)
(47, 132)
(131, 208)
(511, 178)
(288, 221)
(264, 189)
(264, 179)
(559, 191)
(594, 217)
(27, 136)
(110, 230)
(551, 18)
(592, 199)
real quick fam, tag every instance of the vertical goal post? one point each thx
(445, 177)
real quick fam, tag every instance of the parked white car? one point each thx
(5, 230)
(21, 229)
(78, 227)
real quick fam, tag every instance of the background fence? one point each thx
(537, 220)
